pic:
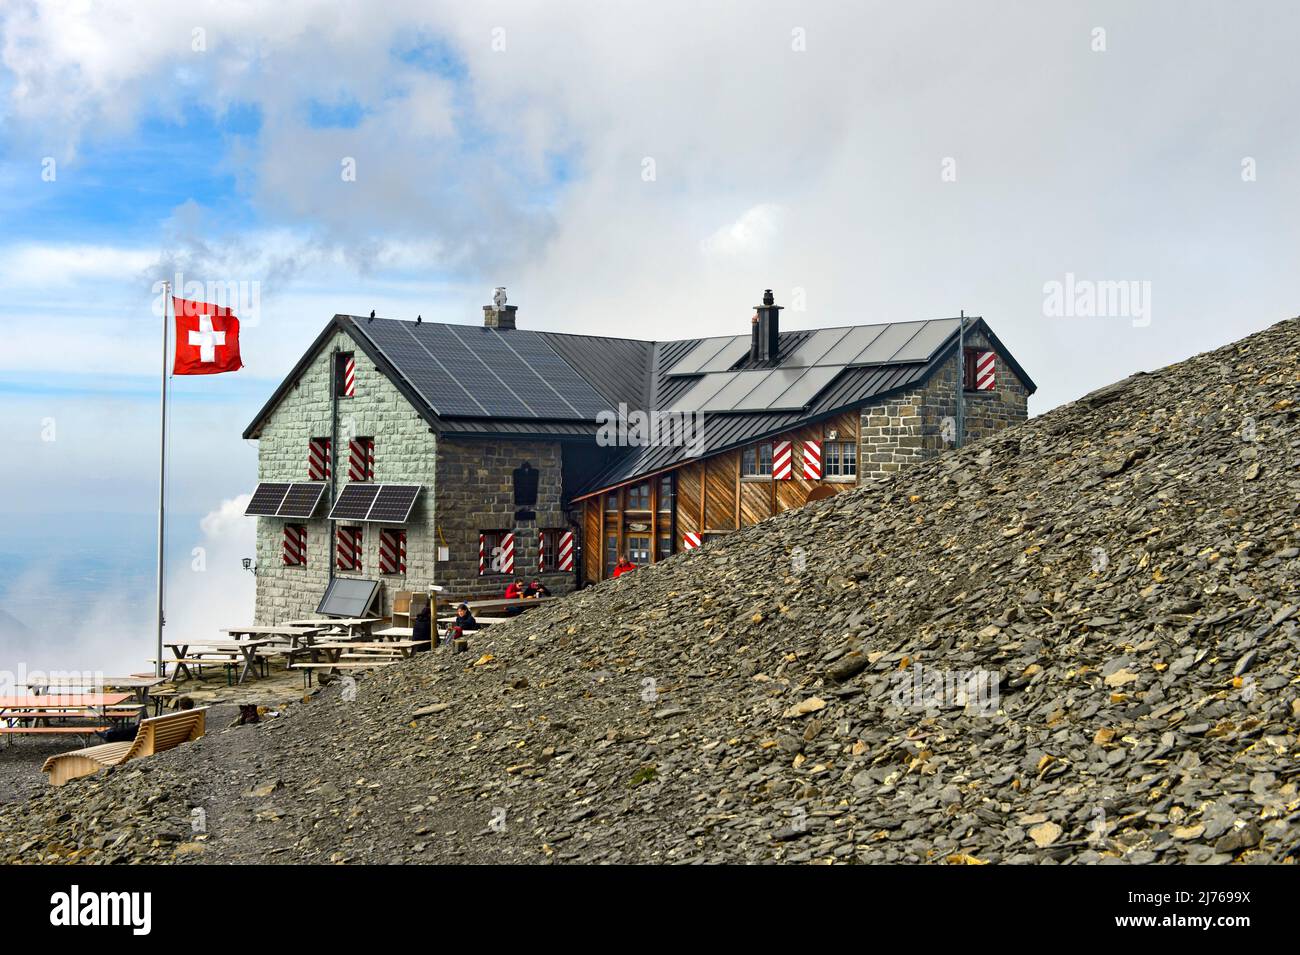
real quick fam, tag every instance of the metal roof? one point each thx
(584, 372)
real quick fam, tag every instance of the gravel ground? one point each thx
(1121, 575)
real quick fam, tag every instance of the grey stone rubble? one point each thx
(1074, 642)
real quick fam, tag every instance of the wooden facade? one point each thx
(705, 497)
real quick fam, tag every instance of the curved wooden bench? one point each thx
(154, 735)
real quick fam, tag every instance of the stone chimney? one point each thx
(499, 315)
(766, 338)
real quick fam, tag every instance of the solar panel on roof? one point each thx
(801, 393)
(851, 345)
(267, 499)
(694, 360)
(704, 389)
(773, 385)
(302, 500)
(817, 345)
(929, 337)
(734, 391)
(393, 504)
(731, 353)
(354, 502)
(887, 343)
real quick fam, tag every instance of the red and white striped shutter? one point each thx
(349, 547)
(295, 544)
(812, 460)
(566, 550)
(508, 554)
(782, 460)
(482, 554)
(541, 551)
(318, 460)
(361, 459)
(985, 371)
(392, 552)
(350, 378)
(691, 541)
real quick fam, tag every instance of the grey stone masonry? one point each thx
(405, 453)
(476, 493)
(917, 424)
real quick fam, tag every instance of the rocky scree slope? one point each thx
(1073, 643)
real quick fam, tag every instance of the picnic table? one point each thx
(280, 633)
(139, 685)
(352, 625)
(481, 621)
(225, 652)
(32, 713)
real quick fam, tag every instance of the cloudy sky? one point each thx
(640, 169)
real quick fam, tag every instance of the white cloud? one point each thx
(754, 233)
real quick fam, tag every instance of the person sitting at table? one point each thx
(465, 619)
(623, 566)
(536, 589)
(515, 589)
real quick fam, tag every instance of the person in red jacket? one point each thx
(623, 566)
(515, 590)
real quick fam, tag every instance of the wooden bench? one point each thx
(154, 735)
(309, 668)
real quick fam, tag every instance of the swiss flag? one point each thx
(207, 339)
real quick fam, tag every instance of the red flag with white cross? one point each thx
(207, 339)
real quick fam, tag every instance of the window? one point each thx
(611, 554)
(557, 551)
(349, 548)
(638, 497)
(496, 552)
(638, 550)
(345, 375)
(665, 501)
(756, 460)
(665, 546)
(361, 459)
(840, 459)
(611, 501)
(392, 552)
(318, 459)
(295, 545)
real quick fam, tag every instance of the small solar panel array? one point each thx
(375, 503)
(801, 375)
(466, 371)
(277, 499)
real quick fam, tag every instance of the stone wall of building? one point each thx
(919, 423)
(404, 454)
(476, 493)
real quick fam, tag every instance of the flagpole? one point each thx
(961, 379)
(159, 666)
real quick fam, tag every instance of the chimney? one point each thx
(766, 341)
(499, 315)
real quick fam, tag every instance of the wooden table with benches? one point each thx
(33, 715)
(227, 653)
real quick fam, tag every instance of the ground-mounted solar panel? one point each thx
(348, 597)
(929, 337)
(267, 499)
(354, 502)
(698, 396)
(802, 392)
(694, 360)
(887, 344)
(741, 384)
(817, 345)
(302, 500)
(393, 504)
